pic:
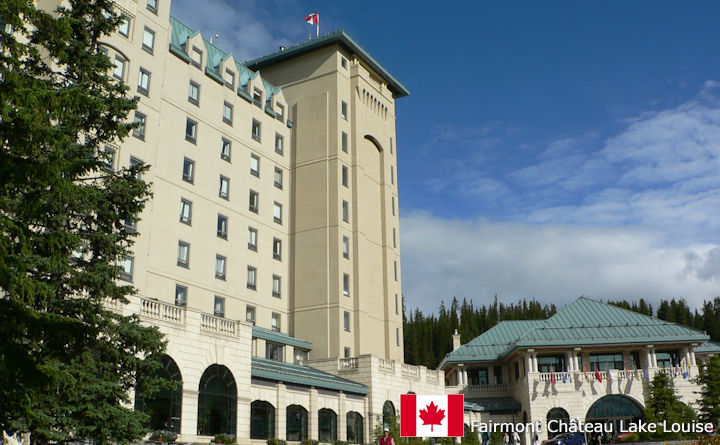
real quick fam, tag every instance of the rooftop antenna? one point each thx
(216, 36)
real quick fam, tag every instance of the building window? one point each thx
(124, 27)
(276, 286)
(281, 112)
(392, 174)
(224, 191)
(219, 307)
(109, 159)
(604, 362)
(251, 278)
(256, 130)
(225, 150)
(278, 178)
(185, 211)
(550, 363)
(346, 284)
(347, 353)
(134, 163)
(397, 305)
(191, 130)
(227, 113)
(345, 211)
(394, 238)
(196, 56)
(183, 256)
(277, 213)
(478, 376)
(220, 265)
(257, 97)
(393, 204)
(140, 122)
(255, 165)
(152, 6)
(279, 144)
(222, 226)
(254, 201)
(148, 42)
(344, 110)
(343, 62)
(391, 145)
(119, 69)
(344, 142)
(346, 247)
(301, 355)
(144, 82)
(229, 79)
(273, 351)
(277, 249)
(275, 322)
(181, 295)
(397, 336)
(262, 420)
(126, 268)
(517, 371)
(194, 93)
(497, 375)
(346, 321)
(188, 170)
(250, 314)
(395, 269)
(252, 238)
(344, 175)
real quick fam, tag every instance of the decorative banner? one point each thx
(431, 415)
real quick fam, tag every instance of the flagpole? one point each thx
(317, 27)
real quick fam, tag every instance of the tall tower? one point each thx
(345, 259)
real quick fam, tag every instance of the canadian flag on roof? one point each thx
(431, 415)
(313, 18)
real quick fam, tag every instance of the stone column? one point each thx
(188, 423)
(280, 412)
(692, 356)
(535, 363)
(569, 361)
(342, 417)
(528, 363)
(313, 415)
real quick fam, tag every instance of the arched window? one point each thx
(217, 402)
(614, 409)
(388, 413)
(164, 406)
(327, 426)
(262, 420)
(296, 423)
(555, 418)
(354, 427)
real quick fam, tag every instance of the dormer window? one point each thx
(281, 112)
(229, 78)
(196, 55)
(257, 97)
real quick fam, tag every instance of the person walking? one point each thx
(536, 439)
(506, 439)
(386, 438)
(515, 438)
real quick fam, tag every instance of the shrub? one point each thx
(274, 441)
(224, 438)
(163, 436)
(310, 442)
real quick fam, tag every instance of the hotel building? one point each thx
(589, 362)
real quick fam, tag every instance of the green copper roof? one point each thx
(341, 38)
(214, 55)
(492, 404)
(279, 337)
(584, 322)
(708, 347)
(302, 375)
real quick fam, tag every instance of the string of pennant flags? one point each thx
(613, 374)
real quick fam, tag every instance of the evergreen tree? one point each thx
(665, 405)
(709, 381)
(67, 363)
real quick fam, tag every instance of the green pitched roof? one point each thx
(708, 347)
(302, 375)
(279, 337)
(341, 38)
(584, 322)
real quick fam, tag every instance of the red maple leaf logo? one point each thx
(432, 415)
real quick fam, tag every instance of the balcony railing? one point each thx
(211, 323)
(409, 370)
(158, 310)
(432, 376)
(613, 375)
(386, 365)
(347, 364)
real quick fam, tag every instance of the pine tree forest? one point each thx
(427, 338)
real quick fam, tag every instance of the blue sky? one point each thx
(547, 150)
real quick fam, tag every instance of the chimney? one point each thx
(456, 340)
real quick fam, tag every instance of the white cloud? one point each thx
(556, 263)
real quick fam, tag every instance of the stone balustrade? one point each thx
(158, 310)
(218, 325)
(347, 364)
